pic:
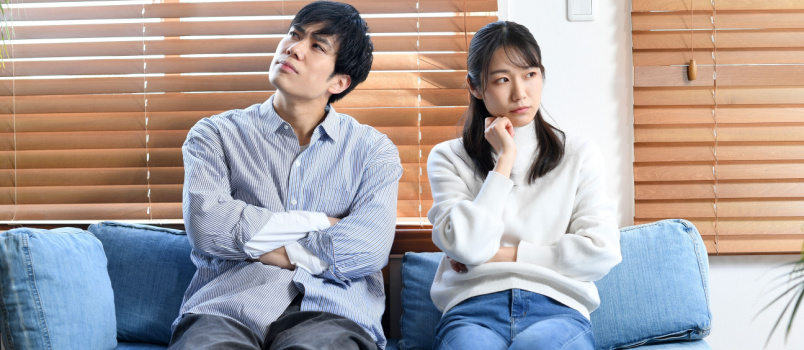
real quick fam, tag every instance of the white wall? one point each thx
(589, 91)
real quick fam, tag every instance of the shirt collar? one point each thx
(273, 122)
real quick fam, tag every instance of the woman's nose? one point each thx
(518, 91)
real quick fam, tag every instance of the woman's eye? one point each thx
(501, 80)
(318, 47)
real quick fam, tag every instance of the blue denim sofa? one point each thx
(656, 299)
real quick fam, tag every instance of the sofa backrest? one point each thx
(659, 293)
(150, 268)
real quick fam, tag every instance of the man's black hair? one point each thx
(354, 53)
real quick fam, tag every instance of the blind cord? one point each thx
(149, 210)
(14, 119)
(714, 118)
(419, 108)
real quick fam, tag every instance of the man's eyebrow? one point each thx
(322, 38)
(298, 29)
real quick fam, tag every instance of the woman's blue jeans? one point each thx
(513, 319)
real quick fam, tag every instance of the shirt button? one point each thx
(298, 163)
(286, 127)
(293, 201)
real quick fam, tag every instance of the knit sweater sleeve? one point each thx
(467, 226)
(591, 245)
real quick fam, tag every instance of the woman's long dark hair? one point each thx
(522, 50)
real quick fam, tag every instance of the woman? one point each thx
(520, 211)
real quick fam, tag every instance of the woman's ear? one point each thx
(472, 89)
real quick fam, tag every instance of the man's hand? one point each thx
(278, 258)
(333, 221)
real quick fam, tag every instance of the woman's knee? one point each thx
(463, 334)
(557, 333)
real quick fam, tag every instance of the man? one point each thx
(290, 206)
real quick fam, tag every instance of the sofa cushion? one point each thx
(659, 292)
(150, 269)
(419, 314)
(54, 291)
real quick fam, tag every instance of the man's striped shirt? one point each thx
(243, 165)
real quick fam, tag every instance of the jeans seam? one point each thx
(442, 343)
(576, 338)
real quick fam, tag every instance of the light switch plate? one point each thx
(581, 10)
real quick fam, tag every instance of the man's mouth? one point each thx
(288, 66)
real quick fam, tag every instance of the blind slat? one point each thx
(794, 55)
(725, 190)
(725, 133)
(725, 96)
(697, 5)
(237, 9)
(224, 26)
(725, 20)
(220, 64)
(725, 115)
(725, 209)
(90, 176)
(214, 83)
(659, 76)
(186, 46)
(103, 158)
(698, 172)
(725, 152)
(216, 101)
(90, 194)
(725, 39)
(91, 140)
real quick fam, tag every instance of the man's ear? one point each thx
(341, 83)
(472, 90)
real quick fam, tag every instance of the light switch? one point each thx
(580, 10)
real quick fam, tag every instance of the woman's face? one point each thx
(511, 91)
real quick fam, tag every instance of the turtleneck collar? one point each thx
(526, 145)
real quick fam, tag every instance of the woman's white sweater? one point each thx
(563, 225)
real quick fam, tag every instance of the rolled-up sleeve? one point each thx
(359, 244)
(217, 224)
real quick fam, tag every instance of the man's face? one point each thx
(303, 64)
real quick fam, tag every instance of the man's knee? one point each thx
(321, 330)
(198, 331)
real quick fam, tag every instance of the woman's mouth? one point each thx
(520, 110)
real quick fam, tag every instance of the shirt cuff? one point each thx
(301, 257)
(284, 228)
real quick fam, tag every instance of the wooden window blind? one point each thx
(726, 150)
(97, 97)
